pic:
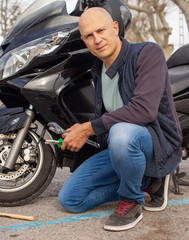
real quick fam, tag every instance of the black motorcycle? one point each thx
(46, 86)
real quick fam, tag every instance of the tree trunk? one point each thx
(168, 50)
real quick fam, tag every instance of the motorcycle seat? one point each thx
(179, 57)
(179, 77)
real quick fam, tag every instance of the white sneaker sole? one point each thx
(166, 189)
(123, 227)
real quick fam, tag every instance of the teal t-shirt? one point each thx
(110, 92)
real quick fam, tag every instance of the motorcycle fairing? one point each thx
(179, 57)
(64, 93)
(179, 77)
(178, 65)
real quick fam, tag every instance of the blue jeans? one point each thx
(121, 170)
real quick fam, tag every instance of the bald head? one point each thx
(94, 13)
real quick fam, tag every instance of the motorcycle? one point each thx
(178, 67)
(45, 81)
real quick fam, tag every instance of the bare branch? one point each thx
(9, 13)
(149, 21)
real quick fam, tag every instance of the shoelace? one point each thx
(123, 207)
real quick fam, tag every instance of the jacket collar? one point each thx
(120, 60)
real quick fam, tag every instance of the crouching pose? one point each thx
(134, 107)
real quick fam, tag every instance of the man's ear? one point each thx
(81, 38)
(116, 27)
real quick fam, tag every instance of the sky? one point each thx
(172, 18)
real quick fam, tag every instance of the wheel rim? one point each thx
(28, 164)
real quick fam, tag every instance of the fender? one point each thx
(11, 119)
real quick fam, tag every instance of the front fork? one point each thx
(22, 133)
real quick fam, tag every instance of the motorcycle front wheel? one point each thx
(32, 172)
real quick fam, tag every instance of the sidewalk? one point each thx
(53, 222)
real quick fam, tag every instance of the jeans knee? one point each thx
(127, 140)
(126, 135)
(63, 200)
(119, 137)
(66, 202)
(70, 202)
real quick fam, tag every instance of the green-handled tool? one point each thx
(54, 127)
(57, 142)
(60, 141)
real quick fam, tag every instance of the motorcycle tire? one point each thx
(29, 178)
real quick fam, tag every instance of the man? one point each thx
(134, 106)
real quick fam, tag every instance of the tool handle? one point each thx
(60, 141)
(18, 216)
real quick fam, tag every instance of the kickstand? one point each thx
(176, 177)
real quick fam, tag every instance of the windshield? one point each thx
(38, 12)
(38, 4)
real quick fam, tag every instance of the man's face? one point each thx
(100, 35)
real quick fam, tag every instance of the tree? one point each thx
(9, 13)
(149, 22)
(184, 7)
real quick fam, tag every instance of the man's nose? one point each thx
(97, 38)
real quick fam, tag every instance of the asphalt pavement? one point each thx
(53, 222)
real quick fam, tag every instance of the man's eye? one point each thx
(100, 30)
(88, 36)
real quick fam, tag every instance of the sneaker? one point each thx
(158, 191)
(126, 216)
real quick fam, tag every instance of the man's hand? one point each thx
(77, 136)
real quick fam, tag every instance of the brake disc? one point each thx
(14, 175)
(4, 152)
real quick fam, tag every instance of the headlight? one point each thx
(17, 59)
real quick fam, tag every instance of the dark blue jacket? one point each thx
(146, 93)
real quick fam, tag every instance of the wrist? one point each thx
(88, 129)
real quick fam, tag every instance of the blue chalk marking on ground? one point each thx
(178, 202)
(75, 218)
